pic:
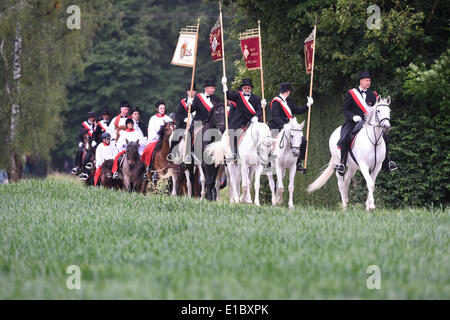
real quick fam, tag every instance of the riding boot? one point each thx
(78, 163)
(341, 167)
(388, 164)
(300, 159)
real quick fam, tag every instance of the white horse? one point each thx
(369, 152)
(254, 151)
(286, 153)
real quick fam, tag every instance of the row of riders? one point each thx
(128, 153)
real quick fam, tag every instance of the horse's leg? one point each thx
(258, 172)
(218, 180)
(346, 185)
(370, 186)
(188, 183)
(126, 182)
(174, 183)
(251, 171)
(202, 181)
(280, 187)
(245, 182)
(233, 186)
(272, 187)
(236, 181)
(292, 171)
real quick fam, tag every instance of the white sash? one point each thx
(360, 99)
(285, 107)
(206, 100)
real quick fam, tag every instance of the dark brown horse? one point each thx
(106, 179)
(133, 168)
(161, 168)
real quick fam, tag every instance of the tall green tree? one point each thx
(38, 53)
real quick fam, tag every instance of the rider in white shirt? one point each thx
(105, 150)
(130, 134)
(157, 121)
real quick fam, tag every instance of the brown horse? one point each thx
(133, 168)
(106, 179)
(161, 168)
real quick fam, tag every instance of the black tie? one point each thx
(363, 92)
(247, 94)
(208, 97)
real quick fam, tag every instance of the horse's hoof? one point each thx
(257, 204)
(291, 206)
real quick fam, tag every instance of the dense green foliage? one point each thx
(412, 32)
(128, 247)
(131, 61)
(49, 54)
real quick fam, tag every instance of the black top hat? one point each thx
(158, 103)
(209, 83)
(134, 109)
(129, 120)
(188, 87)
(247, 82)
(91, 114)
(285, 86)
(106, 112)
(364, 74)
(124, 104)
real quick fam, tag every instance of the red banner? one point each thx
(215, 43)
(250, 50)
(309, 46)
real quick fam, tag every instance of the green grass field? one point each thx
(130, 246)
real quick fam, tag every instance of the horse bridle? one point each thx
(378, 125)
(379, 122)
(293, 148)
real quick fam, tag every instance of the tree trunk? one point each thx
(15, 108)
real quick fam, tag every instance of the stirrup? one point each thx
(392, 166)
(88, 166)
(155, 177)
(340, 168)
(145, 176)
(267, 165)
(116, 176)
(74, 171)
(301, 169)
(83, 176)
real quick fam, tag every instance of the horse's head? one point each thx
(294, 133)
(381, 114)
(217, 117)
(132, 153)
(264, 145)
(169, 128)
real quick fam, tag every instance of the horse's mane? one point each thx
(210, 121)
(161, 135)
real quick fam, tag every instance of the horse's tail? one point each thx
(216, 151)
(323, 178)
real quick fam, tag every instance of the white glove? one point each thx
(255, 119)
(190, 100)
(263, 103)
(310, 101)
(357, 118)
(93, 144)
(80, 144)
(225, 88)
(224, 81)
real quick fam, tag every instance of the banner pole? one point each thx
(190, 93)
(223, 65)
(310, 94)
(261, 67)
